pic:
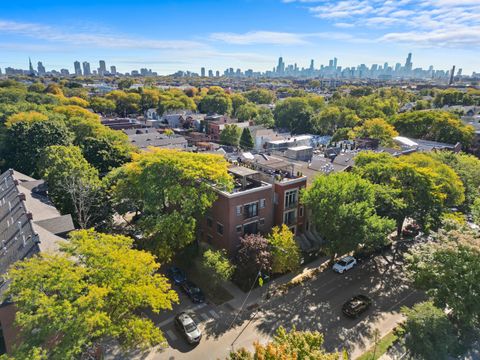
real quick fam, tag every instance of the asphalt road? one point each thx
(315, 305)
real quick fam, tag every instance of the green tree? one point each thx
(169, 190)
(124, 83)
(67, 302)
(434, 125)
(343, 212)
(376, 129)
(247, 112)
(476, 211)
(468, 169)
(74, 185)
(409, 187)
(260, 96)
(448, 270)
(237, 101)
(246, 139)
(218, 262)
(108, 150)
(264, 118)
(294, 114)
(126, 103)
(298, 345)
(429, 334)
(102, 105)
(25, 142)
(230, 135)
(284, 249)
(218, 103)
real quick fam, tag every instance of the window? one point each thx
(209, 238)
(291, 198)
(219, 228)
(209, 222)
(261, 221)
(251, 228)
(250, 210)
(289, 217)
(300, 212)
(262, 203)
(239, 228)
(275, 198)
(239, 210)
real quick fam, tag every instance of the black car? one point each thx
(177, 275)
(193, 291)
(356, 305)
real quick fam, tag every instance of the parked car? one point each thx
(193, 291)
(185, 324)
(344, 264)
(356, 305)
(177, 275)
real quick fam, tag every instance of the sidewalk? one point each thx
(259, 292)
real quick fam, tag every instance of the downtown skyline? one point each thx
(333, 69)
(247, 34)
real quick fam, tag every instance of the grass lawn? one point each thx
(382, 347)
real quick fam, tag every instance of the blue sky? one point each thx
(167, 35)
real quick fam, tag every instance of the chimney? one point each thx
(22, 197)
(29, 215)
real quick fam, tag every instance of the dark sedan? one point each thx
(356, 305)
(193, 292)
(177, 275)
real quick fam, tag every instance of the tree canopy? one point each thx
(168, 189)
(440, 126)
(344, 214)
(448, 270)
(294, 344)
(93, 289)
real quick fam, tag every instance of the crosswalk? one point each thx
(199, 317)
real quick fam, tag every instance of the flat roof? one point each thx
(298, 148)
(242, 171)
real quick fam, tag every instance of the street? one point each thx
(314, 305)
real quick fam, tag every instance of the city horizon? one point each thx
(246, 35)
(334, 68)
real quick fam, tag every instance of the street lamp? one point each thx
(250, 291)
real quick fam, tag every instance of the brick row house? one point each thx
(263, 196)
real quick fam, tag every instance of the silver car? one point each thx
(188, 328)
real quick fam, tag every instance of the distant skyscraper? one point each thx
(113, 70)
(86, 68)
(408, 63)
(217, 73)
(335, 63)
(102, 69)
(280, 66)
(78, 69)
(210, 73)
(30, 67)
(202, 72)
(40, 68)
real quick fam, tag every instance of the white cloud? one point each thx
(277, 38)
(260, 37)
(440, 23)
(97, 40)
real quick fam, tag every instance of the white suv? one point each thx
(344, 264)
